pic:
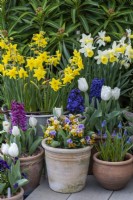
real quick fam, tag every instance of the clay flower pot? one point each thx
(18, 196)
(67, 168)
(32, 166)
(113, 175)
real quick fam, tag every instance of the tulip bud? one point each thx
(15, 131)
(82, 84)
(57, 112)
(106, 93)
(13, 150)
(32, 121)
(116, 93)
(4, 149)
(6, 126)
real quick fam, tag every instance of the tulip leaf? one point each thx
(35, 145)
(2, 186)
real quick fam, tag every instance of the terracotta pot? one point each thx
(32, 166)
(113, 175)
(18, 196)
(67, 168)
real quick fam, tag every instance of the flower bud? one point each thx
(82, 84)
(57, 112)
(32, 121)
(13, 150)
(15, 131)
(4, 149)
(6, 126)
(116, 93)
(106, 93)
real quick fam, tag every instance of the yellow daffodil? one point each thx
(30, 63)
(12, 73)
(67, 78)
(55, 84)
(22, 73)
(1, 68)
(39, 73)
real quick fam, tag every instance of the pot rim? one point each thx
(129, 156)
(67, 151)
(17, 195)
(41, 152)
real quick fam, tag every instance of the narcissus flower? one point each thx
(55, 84)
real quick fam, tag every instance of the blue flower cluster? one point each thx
(75, 102)
(95, 89)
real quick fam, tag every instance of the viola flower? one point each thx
(18, 115)
(75, 103)
(15, 185)
(87, 138)
(95, 89)
(3, 165)
(69, 141)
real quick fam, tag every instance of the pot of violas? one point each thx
(22, 141)
(11, 179)
(113, 165)
(67, 153)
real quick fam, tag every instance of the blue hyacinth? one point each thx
(75, 102)
(95, 89)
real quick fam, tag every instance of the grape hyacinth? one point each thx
(95, 89)
(18, 115)
(75, 103)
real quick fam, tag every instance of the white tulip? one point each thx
(6, 126)
(106, 93)
(4, 149)
(82, 84)
(13, 150)
(116, 93)
(15, 131)
(57, 111)
(32, 121)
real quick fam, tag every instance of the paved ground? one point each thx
(92, 191)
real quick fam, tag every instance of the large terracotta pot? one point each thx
(113, 175)
(18, 196)
(41, 120)
(32, 166)
(67, 168)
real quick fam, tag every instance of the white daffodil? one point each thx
(102, 57)
(129, 52)
(129, 35)
(86, 39)
(125, 62)
(87, 50)
(116, 93)
(103, 38)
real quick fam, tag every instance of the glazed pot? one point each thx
(67, 168)
(113, 175)
(18, 196)
(32, 166)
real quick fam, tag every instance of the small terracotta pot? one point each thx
(67, 168)
(113, 175)
(18, 196)
(32, 166)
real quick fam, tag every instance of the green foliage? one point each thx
(11, 177)
(115, 147)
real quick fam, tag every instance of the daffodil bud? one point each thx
(32, 121)
(4, 149)
(82, 84)
(13, 150)
(15, 131)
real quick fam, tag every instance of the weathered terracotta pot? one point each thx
(113, 175)
(67, 168)
(18, 196)
(32, 166)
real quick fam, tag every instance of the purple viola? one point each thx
(18, 115)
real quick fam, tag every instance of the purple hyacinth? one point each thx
(75, 102)
(95, 89)
(18, 115)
